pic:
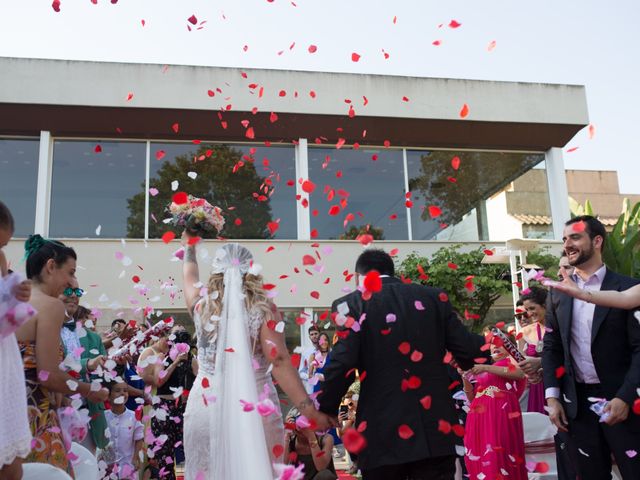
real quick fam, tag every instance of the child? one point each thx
(126, 436)
(494, 436)
(15, 435)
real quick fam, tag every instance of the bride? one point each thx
(233, 425)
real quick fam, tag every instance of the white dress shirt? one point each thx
(581, 326)
(124, 431)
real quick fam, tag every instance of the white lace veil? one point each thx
(238, 444)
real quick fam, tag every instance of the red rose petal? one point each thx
(373, 282)
(416, 356)
(315, 295)
(180, 198)
(444, 426)
(434, 211)
(334, 210)
(464, 111)
(560, 371)
(308, 260)
(192, 20)
(454, 24)
(426, 402)
(355, 57)
(273, 227)
(312, 49)
(541, 467)
(205, 382)
(405, 432)
(404, 348)
(353, 441)
(277, 450)
(578, 226)
(414, 382)
(308, 186)
(168, 236)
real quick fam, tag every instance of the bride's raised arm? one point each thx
(275, 350)
(190, 272)
(627, 299)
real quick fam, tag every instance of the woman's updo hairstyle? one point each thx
(38, 251)
(537, 295)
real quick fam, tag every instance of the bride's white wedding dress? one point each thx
(223, 437)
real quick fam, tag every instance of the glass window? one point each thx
(91, 187)
(18, 181)
(356, 188)
(248, 182)
(463, 196)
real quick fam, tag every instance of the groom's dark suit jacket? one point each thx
(374, 352)
(615, 347)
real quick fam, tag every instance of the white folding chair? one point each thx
(85, 465)
(538, 443)
(40, 471)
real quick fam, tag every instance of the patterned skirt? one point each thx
(48, 442)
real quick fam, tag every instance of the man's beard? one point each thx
(583, 257)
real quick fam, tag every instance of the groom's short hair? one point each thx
(375, 259)
(593, 227)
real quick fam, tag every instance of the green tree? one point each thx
(622, 248)
(451, 269)
(355, 231)
(545, 260)
(225, 177)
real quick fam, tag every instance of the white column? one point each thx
(305, 343)
(146, 190)
(406, 190)
(558, 192)
(43, 189)
(302, 171)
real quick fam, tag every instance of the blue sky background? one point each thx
(587, 42)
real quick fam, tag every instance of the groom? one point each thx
(593, 352)
(405, 411)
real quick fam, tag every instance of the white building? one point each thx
(89, 151)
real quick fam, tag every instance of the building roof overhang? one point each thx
(91, 99)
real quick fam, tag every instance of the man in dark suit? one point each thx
(405, 410)
(593, 352)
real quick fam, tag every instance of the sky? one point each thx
(588, 42)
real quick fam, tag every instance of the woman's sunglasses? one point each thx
(78, 292)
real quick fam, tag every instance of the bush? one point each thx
(473, 287)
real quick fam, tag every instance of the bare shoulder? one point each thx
(50, 308)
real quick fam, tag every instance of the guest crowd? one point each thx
(399, 409)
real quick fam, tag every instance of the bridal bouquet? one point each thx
(194, 214)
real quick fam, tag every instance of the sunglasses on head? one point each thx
(78, 292)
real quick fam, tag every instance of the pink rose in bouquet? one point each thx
(196, 215)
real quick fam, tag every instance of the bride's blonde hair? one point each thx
(256, 299)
